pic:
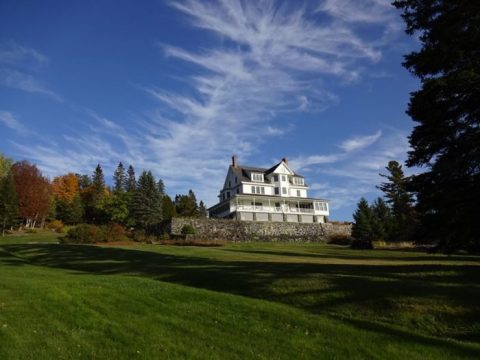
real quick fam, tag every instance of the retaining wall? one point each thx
(244, 231)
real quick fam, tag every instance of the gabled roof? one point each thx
(243, 171)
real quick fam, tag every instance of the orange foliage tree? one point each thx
(66, 187)
(33, 191)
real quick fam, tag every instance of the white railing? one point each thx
(285, 209)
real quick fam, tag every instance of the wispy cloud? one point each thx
(360, 142)
(354, 173)
(12, 122)
(25, 82)
(14, 54)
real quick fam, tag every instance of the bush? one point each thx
(56, 225)
(361, 244)
(90, 234)
(84, 234)
(30, 231)
(188, 230)
(338, 239)
(115, 232)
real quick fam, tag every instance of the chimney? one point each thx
(285, 160)
(234, 161)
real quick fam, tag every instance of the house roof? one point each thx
(243, 171)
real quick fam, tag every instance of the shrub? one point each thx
(188, 230)
(339, 239)
(115, 232)
(361, 244)
(84, 234)
(30, 231)
(56, 225)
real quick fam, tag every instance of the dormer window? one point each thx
(298, 180)
(257, 177)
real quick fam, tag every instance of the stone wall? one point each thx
(239, 231)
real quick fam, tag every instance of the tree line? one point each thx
(29, 199)
(389, 218)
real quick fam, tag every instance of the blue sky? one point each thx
(177, 87)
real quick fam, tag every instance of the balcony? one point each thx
(274, 209)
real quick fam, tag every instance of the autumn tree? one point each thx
(33, 192)
(446, 138)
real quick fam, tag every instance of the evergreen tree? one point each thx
(362, 228)
(119, 178)
(401, 202)
(186, 205)
(84, 181)
(168, 208)
(131, 182)
(161, 187)
(76, 210)
(202, 210)
(381, 220)
(94, 197)
(147, 202)
(446, 139)
(8, 202)
(98, 182)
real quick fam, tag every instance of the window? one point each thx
(229, 184)
(284, 190)
(320, 206)
(284, 178)
(228, 194)
(257, 177)
(275, 178)
(236, 179)
(258, 190)
(277, 191)
(238, 191)
(297, 180)
(298, 193)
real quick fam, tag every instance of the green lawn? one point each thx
(241, 301)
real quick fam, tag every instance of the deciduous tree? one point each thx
(33, 192)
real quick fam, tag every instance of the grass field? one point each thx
(240, 301)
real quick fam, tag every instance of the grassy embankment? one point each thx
(241, 301)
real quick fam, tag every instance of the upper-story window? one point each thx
(298, 180)
(258, 190)
(277, 191)
(298, 193)
(275, 178)
(284, 190)
(257, 177)
(321, 206)
(284, 177)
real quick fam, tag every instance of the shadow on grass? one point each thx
(318, 288)
(347, 254)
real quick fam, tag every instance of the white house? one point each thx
(277, 194)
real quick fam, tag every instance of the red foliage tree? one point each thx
(33, 191)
